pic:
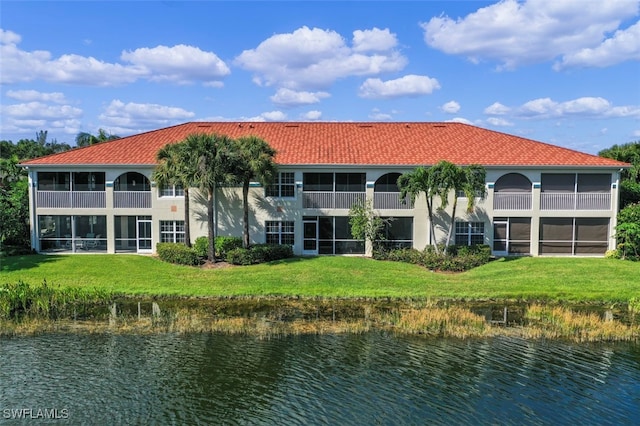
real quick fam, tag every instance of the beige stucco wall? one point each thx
(262, 209)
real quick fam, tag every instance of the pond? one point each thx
(371, 378)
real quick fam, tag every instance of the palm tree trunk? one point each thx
(187, 227)
(453, 222)
(431, 225)
(245, 214)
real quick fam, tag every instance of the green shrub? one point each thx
(240, 256)
(201, 247)
(457, 259)
(259, 253)
(177, 253)
(222, 246)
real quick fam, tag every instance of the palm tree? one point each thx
(420, 180)
(254, 161)
(177, 167)
(470, 180)
(213, 160)
(86, 139)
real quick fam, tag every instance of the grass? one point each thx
(550, 279)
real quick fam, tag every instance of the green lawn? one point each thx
(576, 279)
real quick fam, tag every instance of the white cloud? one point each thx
(459, 120)
(622, 46)
(516, 33)
(274, 115)
(312, 115)
(31, 116)
(314, 59)
(132, 117)
(451, 107)
(497, 108)
(373, 40)
(380, 116)
(409, 85)
(34, 95)
(593, 107)
(39, 110)
(290, 98)
(499, 122)
(180, 63)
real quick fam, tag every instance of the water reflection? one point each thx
(373, 378)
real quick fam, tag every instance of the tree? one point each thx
(254, 160)
(630, 178)
(365, 223)
(439, 181)
(421, 180)
(628, 232)
(86, 139)
(177, 166)
(14, 204)
(470, 180)
(213, 159)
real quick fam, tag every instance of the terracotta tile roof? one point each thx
(344, 143)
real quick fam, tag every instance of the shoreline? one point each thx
(273, 317)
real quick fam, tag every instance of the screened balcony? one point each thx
(81, 190)
(512, 192)
(386, 194)
(132, 190)
(570, 191)
(332, 190)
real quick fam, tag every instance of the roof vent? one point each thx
(365, 125)
(291, 125)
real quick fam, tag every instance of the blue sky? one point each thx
(563, 72)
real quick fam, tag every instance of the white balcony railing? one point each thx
(132, 199)
(575, 201)
(391, 201)
(512, 200)
(71, 199)
(331, 200)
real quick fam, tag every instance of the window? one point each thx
(317, 182)
(284, 186)
(172, 191)
(350, 182)
(88, 181)
(573, 236)
(469, 233)
(397, 232)
(54, 181)
(172, 231)
(279, 232)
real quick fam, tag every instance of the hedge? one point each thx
(457, 259)
(177, 253)
(259, 253)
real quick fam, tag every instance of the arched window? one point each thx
(132, 181)
(512, 192)
(385, 193)
(513, 182)
(387, 183)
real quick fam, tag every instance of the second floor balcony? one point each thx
(132, 199)
(391, 201)
(512, 200)
(71, 199)
(575, 201)
(331, 200)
